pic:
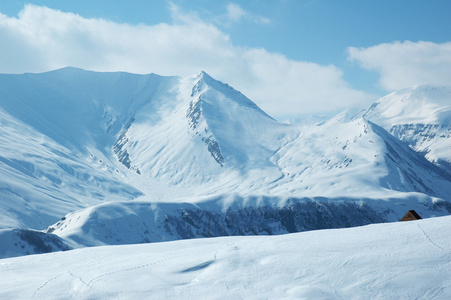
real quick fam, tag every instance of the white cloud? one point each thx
(235, 14)
(403, 65)
(41, 39)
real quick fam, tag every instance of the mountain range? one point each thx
(89, 158)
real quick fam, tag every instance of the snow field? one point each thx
(382, 261)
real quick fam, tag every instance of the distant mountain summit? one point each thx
(420, 104)
(420, 117)
(195, 129)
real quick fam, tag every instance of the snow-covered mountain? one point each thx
(129, 158)
(367, 176)
(197, 130)
(420, 117)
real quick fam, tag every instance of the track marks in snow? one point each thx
(79, 279)
(431, 241)
(90, 265)
(130, 269)
(46, 283)
(92, 284)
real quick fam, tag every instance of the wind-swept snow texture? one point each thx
(403, 260)
(421, 117)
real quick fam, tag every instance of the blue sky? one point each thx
(290, 57)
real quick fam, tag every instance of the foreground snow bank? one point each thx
(381, 261)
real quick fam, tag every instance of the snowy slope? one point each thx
(341, 158)
(421, 117)
(41, 180)
(409, 260)
(226, 215)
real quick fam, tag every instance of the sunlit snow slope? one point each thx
(408, 260)
(57, 132)
(421, 117)
(40, 179)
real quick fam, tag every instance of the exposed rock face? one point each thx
(194, 115)
(120, 148)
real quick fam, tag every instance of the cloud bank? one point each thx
(42, 39)
(403, 65)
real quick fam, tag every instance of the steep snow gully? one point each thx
(119, 158)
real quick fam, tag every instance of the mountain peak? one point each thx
(205, 78)
(202, 74)
(209, 87)
(425, 104)
(68, 70)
